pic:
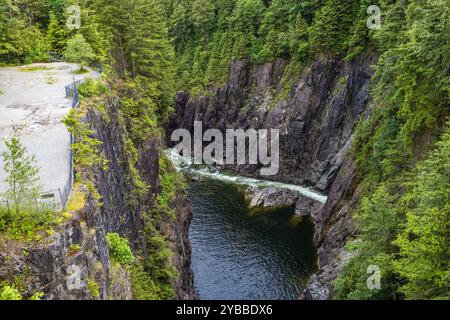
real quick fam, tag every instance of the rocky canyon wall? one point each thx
(316, 119)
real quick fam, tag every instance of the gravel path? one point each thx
(32, 104)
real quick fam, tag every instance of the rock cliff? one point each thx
(316, 119)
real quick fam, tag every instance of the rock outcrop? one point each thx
(277, 197)
(64, 265)
(316, 119)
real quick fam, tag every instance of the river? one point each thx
(241, 253)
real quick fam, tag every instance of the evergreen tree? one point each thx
(79, 51)
(140, 47)
(247, 16)
(56, 34)
(377, 223)
(331, 26)
(424, 242)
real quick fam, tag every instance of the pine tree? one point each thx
(247, 16)
(79, 51)
(331, 26)
(202, 17)
(140, 47)
(56, 35)
(424, 243)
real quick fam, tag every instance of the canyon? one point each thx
(316, 122)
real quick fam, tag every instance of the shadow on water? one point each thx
(244, 254)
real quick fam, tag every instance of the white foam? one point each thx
(186, 165)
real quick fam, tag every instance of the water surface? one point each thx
(238, 254)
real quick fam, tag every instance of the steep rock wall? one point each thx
(316, 121)
(122, 213)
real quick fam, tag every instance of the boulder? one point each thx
(272, 197)
(279, 197)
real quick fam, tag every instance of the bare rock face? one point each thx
(316, 119)
(272, 198)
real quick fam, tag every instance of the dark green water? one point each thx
(238, 254)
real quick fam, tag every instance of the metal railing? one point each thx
(71, 92)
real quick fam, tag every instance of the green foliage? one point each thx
(79, 51)
(171, 183)
(37, 296)
(252, 30)
(56, 35)
(408, 113)
(424, 241)
(28, 224)
(93, 288)
(377, 223)
(92, 88)
(202, 15)
(143, 286)
(74, 248)
(119, 249)
(10, 293)
(22, 176)
(91, 31)
(141, 49)
(86, 149)
(158, 263)
(330, 31)
(20, 42)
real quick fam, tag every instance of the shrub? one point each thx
(10, 293)
(143, 287)
(119, 249)
(93, 288)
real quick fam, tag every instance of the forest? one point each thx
(151, 49)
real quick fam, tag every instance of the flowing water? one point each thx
(239, 253)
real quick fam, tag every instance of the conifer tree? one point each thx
(140, 47)
(56, 34)
(79, 51)
(331, 25)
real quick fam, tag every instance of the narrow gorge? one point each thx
(316, 120)
(355, 97)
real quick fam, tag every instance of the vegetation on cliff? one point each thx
(131, 40)
(402, 156)
(401, 145)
